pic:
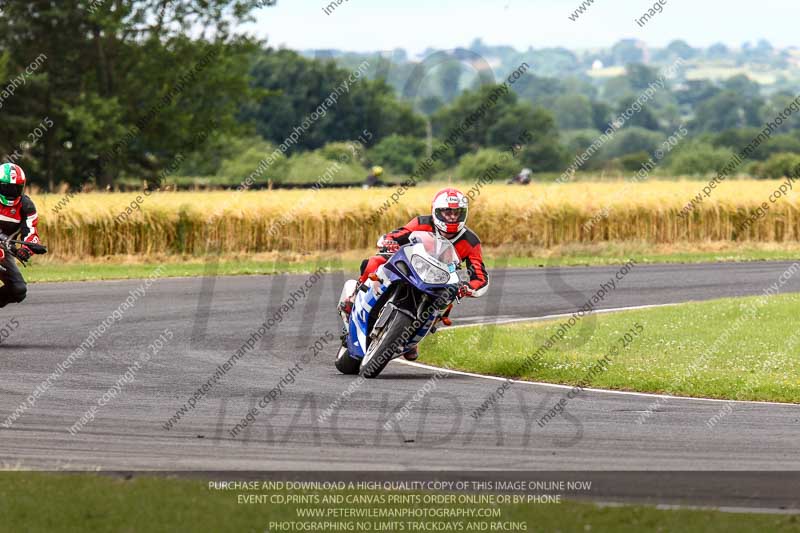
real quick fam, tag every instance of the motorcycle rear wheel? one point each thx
(345, 363)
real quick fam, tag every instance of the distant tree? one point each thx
(247, 154)
(764, 46)
(718, 51)
(783, 143)
(632, 140)
(399, 54)
(543, 156)
(555, 62)
(780, 165)
(736, 139)
(580, 85)
(762, 52)
(518, 119)
(477, 45)
(743, 86)
(627, 51)
(777, 103)
(694, 158)
(398, 153)
(573, 111)
(575, 142)
(538, 90)
(4, 58)
(295, 87)
(486, 105)
(640, 76)
(500, 125)
(486, 162)
(726, 110)
(448, 77)
(209, 160)
(696, 91)
(644, 118)
(350, 151)
(601, 115)
(634, 161)
(124, 84)
(617, 87)
(430, 104)
(682, 49)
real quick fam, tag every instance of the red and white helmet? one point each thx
(449, 210)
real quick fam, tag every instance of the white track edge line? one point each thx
(559, 386)
(561, 315)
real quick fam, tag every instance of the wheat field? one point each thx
(541, 215)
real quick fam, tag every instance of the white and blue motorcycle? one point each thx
(399, 304)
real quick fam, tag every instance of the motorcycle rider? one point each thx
(448, 218)
(373, 178)
(523, 178)
(17, 215)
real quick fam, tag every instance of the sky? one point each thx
(372, 25)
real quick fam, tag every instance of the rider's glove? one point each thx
(464, 291)
(24, 253)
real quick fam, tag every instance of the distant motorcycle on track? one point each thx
(399, 304)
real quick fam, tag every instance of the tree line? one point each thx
(112, 93)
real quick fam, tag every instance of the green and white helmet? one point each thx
(12, 183)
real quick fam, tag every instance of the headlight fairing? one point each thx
(429, 272)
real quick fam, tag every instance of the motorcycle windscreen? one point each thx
(437, 247)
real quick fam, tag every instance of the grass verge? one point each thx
(92, 503)
(736, 348)
(92, 271)
(44, 269)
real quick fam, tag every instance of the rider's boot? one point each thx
(347, 306)
(348, 296)
(411, 354)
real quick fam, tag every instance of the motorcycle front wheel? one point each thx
(388, 343)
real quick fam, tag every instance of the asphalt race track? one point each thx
(210, 319)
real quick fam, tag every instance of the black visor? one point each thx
(450, 215)
(11, 190)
